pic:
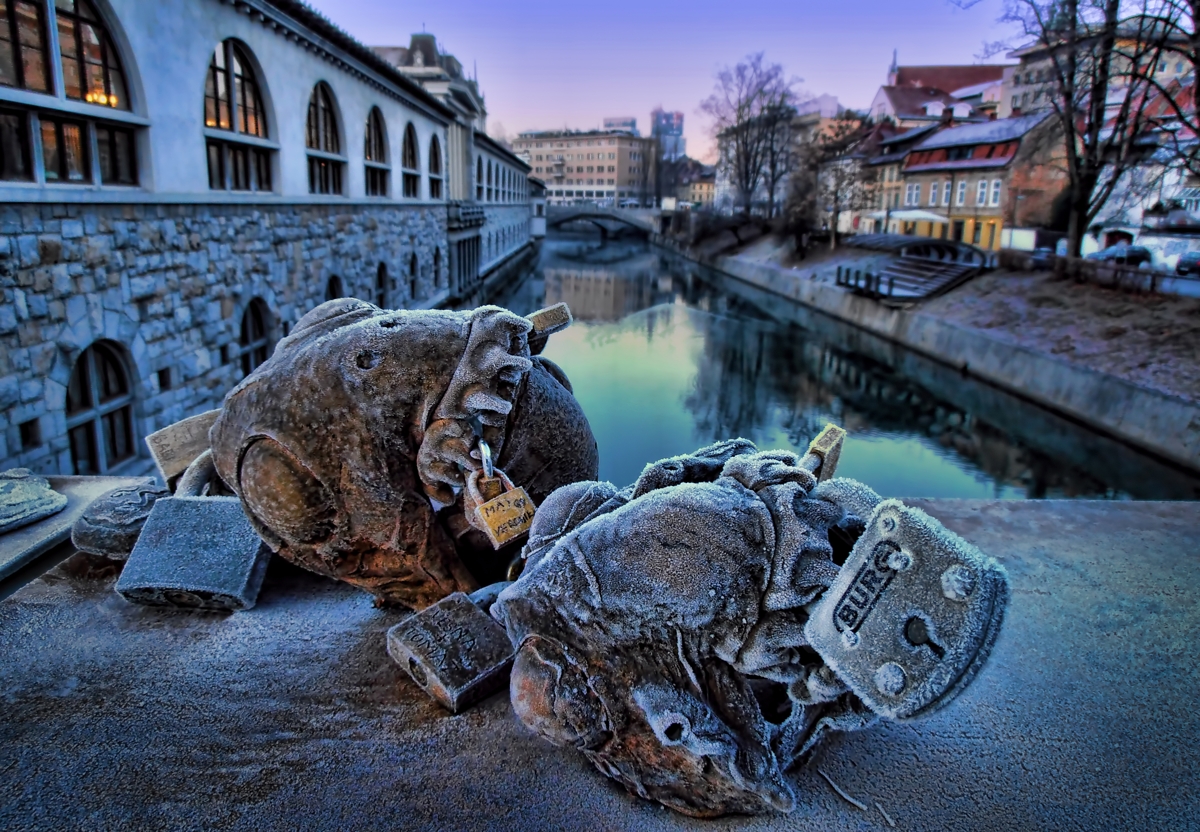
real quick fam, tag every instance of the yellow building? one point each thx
(968, 183)
(701, 191)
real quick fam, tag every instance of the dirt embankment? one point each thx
(1149, 340)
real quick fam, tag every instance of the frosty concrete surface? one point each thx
(292, 715)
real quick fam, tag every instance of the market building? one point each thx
(155, 243)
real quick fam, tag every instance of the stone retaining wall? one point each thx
(1164, 425)
(168, 286)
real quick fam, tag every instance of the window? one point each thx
(381, 286)
(324, 146)
(490, 189)
(254, 339)
(23, 46)
(100, 411)
(117, 155)
(946, 194)
(933, 193)
(435, 168)
(437, 267)
(14, 146)
(64, 151)
(981, 193)
(233, 103)
(410, 164)
(412, 276)
(90, 67)
(375, 153)
(995, 191)
(962, 194)
(333, 289)
(479, 179)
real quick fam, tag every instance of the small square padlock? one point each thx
(504, 516)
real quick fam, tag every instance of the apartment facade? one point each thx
(701, 191)
(604, 165)
(969, 183)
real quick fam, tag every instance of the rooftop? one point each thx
(1001, 130)
(308, 16)
(946, 77)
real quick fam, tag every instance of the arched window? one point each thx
(491, 190)
(23, 47)
(91, 73)
(479, 179)
(376, 154)
(100, 411)
(333, 289)
(325, 160)
(233, 102)
(255, 336)
(381, 286)
(435, 169)
(409, 162)
(90, 66)
(412, 276)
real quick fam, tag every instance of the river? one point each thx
(666, 356)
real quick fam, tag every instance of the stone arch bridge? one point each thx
(614, 221)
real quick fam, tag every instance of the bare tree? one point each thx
(1102, 56)
(741, 107)
(830, 176)
(779, 152)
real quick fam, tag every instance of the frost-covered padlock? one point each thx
(912, 616)
(503, 511)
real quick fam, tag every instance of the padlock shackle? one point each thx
(473, 484)
(200, 473)
(485, 457)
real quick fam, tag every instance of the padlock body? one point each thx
(196, 552)
(912, 615)
(454, 650)
(507, 517)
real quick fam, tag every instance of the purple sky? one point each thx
(546, 65)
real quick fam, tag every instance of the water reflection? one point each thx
(666, 357)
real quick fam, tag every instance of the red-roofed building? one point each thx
(945, 77)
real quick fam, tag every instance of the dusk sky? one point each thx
(549, 65)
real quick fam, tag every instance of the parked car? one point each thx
(1124, 254)
(1189, 263)
(1041, 258)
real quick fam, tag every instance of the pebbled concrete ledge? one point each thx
(292, 716)
(1167, 426)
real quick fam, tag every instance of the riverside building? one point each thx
(156, 242)
(599, 165)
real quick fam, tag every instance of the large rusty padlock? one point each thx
(912, 616)
(454, 650)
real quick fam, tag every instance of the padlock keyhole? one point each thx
(417, 672)
(916, 631)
